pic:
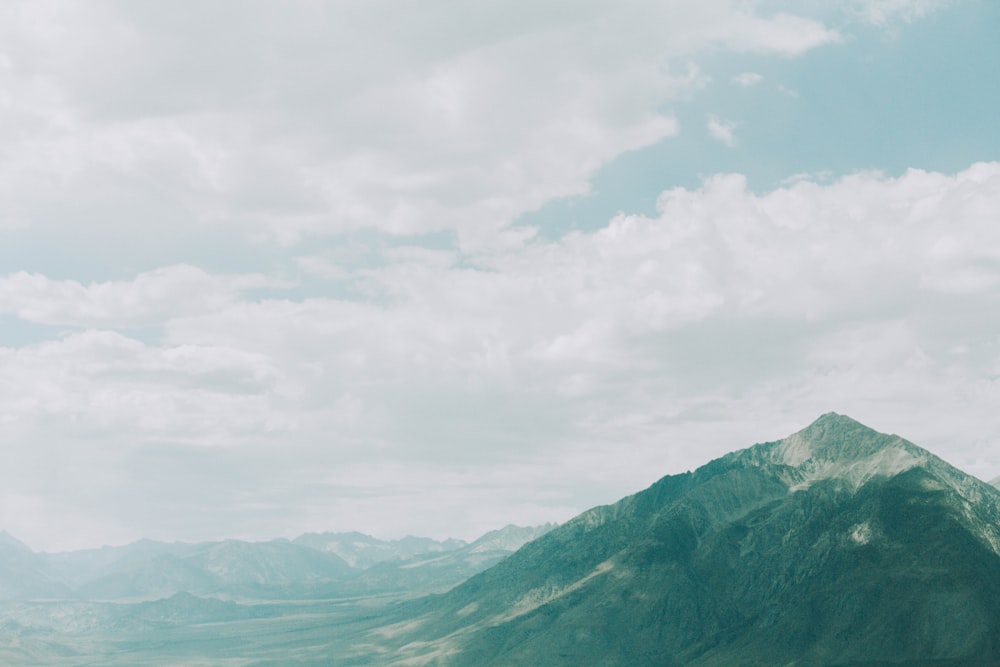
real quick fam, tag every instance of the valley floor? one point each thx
(250, 633)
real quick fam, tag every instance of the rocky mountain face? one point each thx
(836, 545)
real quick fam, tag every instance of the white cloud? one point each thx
(886, 12)
(785, 34)
(721, 130)
(788, 92)
(316, 119)
(683, 334)
(748, 79)
(150, 298)
(107, 383)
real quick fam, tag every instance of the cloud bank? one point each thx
(279, 122)
(529, 380)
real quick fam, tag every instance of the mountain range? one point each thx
(158, 603)
(836, 545)
(309, 566)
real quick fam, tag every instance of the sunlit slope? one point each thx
(835, 545)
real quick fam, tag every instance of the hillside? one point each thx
(836, 545)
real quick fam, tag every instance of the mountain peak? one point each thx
(835, 425)
(837, 446)
(8, 540)
(509, 538)
(837, 420)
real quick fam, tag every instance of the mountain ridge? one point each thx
(309, 566)
(828, 546)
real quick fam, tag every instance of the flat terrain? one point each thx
(196, 631)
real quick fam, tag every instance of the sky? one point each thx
(432, 268)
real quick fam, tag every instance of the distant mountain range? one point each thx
(24, 575)
(313, 565)
(439, 571)
(836, 545)
(362, 551)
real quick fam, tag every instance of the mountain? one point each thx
(231, 567)
(227, 602)
(76, 568)
(995, 482)
(429, 573)
(362, 551)
(148, 568)
(510, 538)
(23, 574)
(313, 566)
(836, 545)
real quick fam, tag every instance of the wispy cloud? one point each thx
(721, 130)
(788, 92)
(884, 13)
(748, 79)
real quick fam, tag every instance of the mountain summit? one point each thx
(835, 545)
(834, 444)
(838, 447)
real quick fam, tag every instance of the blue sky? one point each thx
(274, 268)
(887, 98)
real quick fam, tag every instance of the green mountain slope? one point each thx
(836, 545)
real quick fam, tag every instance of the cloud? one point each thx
(106, 383)
(600, 359)
(150, 298)
(304, 120)
(748, 79)
(788, 92)
(886, 12)
(785, 34)
(721, 130)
